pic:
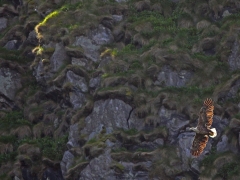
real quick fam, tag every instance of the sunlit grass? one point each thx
(109, 51)
(38, 50)
(49, 16)
(45, 20)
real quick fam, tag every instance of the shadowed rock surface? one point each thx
(108, 89)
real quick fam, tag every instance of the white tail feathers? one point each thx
(214, 133)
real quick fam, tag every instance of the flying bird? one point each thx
(203, 130)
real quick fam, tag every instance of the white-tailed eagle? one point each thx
(203, 128)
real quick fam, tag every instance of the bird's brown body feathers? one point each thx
(203, 128)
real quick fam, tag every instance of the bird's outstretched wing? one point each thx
(208, 103)
(206, 114)
(198, 144)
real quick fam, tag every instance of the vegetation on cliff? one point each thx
(124, 75)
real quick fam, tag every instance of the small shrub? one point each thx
(8, 139)
(91, 141)
(131, 131)
(117, 150)
(237, 116)
(12, 120)
(51, 148)
(8, 157)
(228, 170)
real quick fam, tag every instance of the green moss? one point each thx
(120, 166)
(230, 20)
(237, 116)
(190, 90)
(143, 150)
(4, 2)
(91, 141)
(128, 49)
(4, 176)
(136, 64)
(8, 139)
(105, 75)
(51, 148)
(60, 113)
(13, 55)
(228, 170)
(162, 26)
(12, 120)
(33, 88)
(117, 150)
(8, 157)
(70, 7)
(203, 57)
(131, 131)
(148, 92)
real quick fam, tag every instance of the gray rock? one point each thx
(67, 161)
(226, 13)
(111, 113)
(223, 145)
(135, 123)
(77, 81)
(130, 171)
(3, 23)
(78, 62)
(234, 58)
(10, 82)
(58, 1)
(173, 121)
(145, 145)
(59, 57)
(51, 44)
(175, 124)
(39, 72)
(56, 123)
(95, 82)
(119, 1)
(230, 90)
(99, 168)
(101, 35)
(5, 103)
(220, 124)
(195, 165)
(16, 178)
(179, 178)
(83, 62)
(232, 93)
(185, 143)
(104, 61)
(117, 18)
(73, 137)
(77, 99)
(168, 77)
(90, 49)
(32, 38)
(11, 45)
(91, 44)
(109, 143)
(165, 114)
(159, 141)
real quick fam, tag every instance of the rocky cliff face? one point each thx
(105, 89)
